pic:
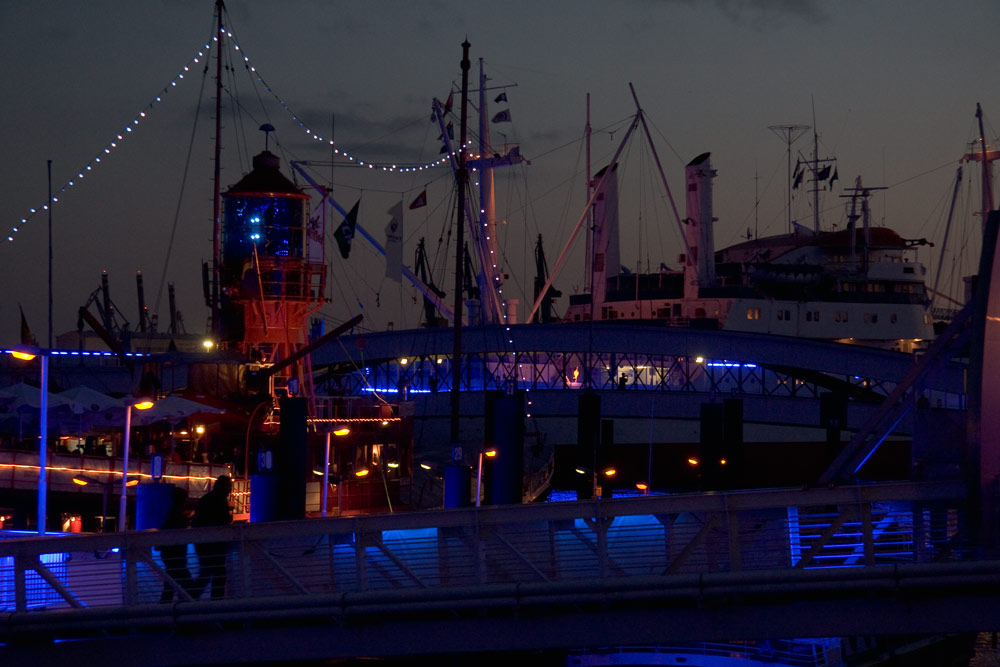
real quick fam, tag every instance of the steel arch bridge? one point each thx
(585, 355)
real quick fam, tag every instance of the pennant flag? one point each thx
(314, 228)
(834, 177)
(798, 165)
(345, 232)
(421, 200)
(394, 244)
(27, 338)
(502, 97)
(450, 128)
(798, 180)
(449, 101)
(502, 117)
(823, 174)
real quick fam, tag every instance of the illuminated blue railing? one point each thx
(688, 534)
(38, 593)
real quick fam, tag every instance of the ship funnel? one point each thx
(606, 259)
(699, 270)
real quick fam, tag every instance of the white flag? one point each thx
(394, 244)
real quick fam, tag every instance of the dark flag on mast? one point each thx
(345, 232)
(394, 244)
(450, 128)
(27, 338)
(502, 116)
(421, 200)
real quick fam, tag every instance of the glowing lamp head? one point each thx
(199, 429)
(425, 466)
(79, 481)
(610, 472)
(362, 473)
(642, 486)
(132, 482)
(341, 431)
(23, 355)
(699, 360)
(392, 464)
(723, 462)
(693, 461)
(208, 345)
(143, 404)
(490, 453)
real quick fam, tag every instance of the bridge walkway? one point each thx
(885, 558)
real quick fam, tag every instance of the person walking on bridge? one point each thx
(213, 509)
(175, 555)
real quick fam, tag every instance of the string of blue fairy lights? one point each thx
(127, 131)
(130, 128)
(380, 166)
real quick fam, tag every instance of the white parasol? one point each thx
(24, 395)
(83, 400)
(171, 408)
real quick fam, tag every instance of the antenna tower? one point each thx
(789, 134)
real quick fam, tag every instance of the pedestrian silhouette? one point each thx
(213, 510)
(175, 555)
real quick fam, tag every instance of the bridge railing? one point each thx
(450, 558)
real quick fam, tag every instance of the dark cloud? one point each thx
(760, 14)
(763, 14)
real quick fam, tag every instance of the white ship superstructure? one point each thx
(858, 285)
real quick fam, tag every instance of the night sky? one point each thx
(894, 86)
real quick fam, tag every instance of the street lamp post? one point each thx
(85, 480)
(27, 353)
(140, 404)
(489, 453)
(340, 432)
(43, 436)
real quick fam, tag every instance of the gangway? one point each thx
(883, 558)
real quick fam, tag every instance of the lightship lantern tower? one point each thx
(273, 270)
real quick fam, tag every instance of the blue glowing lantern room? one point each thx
(272, 254)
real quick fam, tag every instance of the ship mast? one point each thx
(461, 181)
(817, 176)
(216, 195)
(987, 186)
(489, 278)
(815, 172)
(588, 264)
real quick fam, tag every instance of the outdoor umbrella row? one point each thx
(94, 406)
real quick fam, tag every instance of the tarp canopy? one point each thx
(24, 395)
(173, 409)
(82, 400)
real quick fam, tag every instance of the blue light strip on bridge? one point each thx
(87, 353)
